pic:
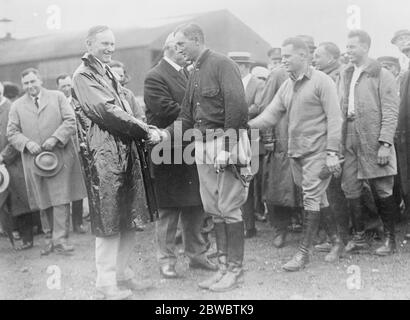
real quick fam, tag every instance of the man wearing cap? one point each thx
(393, 65)
(370, 107)
(114, 138)
(64, 84)
(275, 58)
(334, 218)
(41, 127)
(400, 39)
(176, 185)
(308, 100)
(254, 207)
(214, 107)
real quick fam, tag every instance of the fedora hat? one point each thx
(48, 164)
(240, 57)
(4, 178)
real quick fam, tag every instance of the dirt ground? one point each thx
(24, 275)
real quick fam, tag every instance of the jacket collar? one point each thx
(92, 62)
(332, 67)
(371, 67)
(202, 57)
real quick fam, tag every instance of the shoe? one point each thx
(114, 293)
(168, 271)
(16, 235)
(203, 263)
(358, 243)
(135, 285)
(24, 246)
(47, 250)
(298, 261)
(63, 248)
(260, 217)
(336, 251)
(279, 239)
(323, 247)
(230, 280)
(206, 284)
(388, 247)
(80, 229)
(250, 233)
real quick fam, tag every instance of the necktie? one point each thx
(36, 102)
(183, 74)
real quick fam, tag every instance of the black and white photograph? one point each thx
(220, 152)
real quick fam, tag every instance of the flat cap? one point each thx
(398, 34)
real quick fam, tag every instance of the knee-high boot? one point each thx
(387, 209)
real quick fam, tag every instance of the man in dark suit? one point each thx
(254, 207)
(176, 185)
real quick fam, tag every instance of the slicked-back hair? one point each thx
(297, 43)
(192, 31)
(332, 49)
(28, 71)
(62, 76)
(93, 31)
(362, 35)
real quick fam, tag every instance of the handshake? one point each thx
(156, 135)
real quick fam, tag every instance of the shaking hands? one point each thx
(156, 135)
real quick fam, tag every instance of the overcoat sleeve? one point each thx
(389, 106)
(17, 139)
(158, 98)
(68, 127)
(99, 105)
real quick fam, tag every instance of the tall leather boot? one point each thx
(387, 209)
(234, 275)
(359, 241)
(310, 228)
(330, 226)
(222, 252)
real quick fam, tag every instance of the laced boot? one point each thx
(359, 241)
(387, 212)
(310, 228)
(234, 275)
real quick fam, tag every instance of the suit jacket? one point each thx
(176, 185)
(54, 118)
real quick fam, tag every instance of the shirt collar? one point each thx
(37, 96)
(176, 66)
(307, 74)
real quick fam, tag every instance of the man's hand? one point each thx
(50, 144)
(332, 162)
(383, 155)
(154, 136)
(222, 160)
(33, 147)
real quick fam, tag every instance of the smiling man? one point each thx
(118, 192)
(370, 106)
(42, 120)
(215, 103)
(309, 101)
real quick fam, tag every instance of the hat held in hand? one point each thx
(48, 164)
(4, 178)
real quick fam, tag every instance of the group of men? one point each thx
(326, 134)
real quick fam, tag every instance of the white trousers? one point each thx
(111, 258)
